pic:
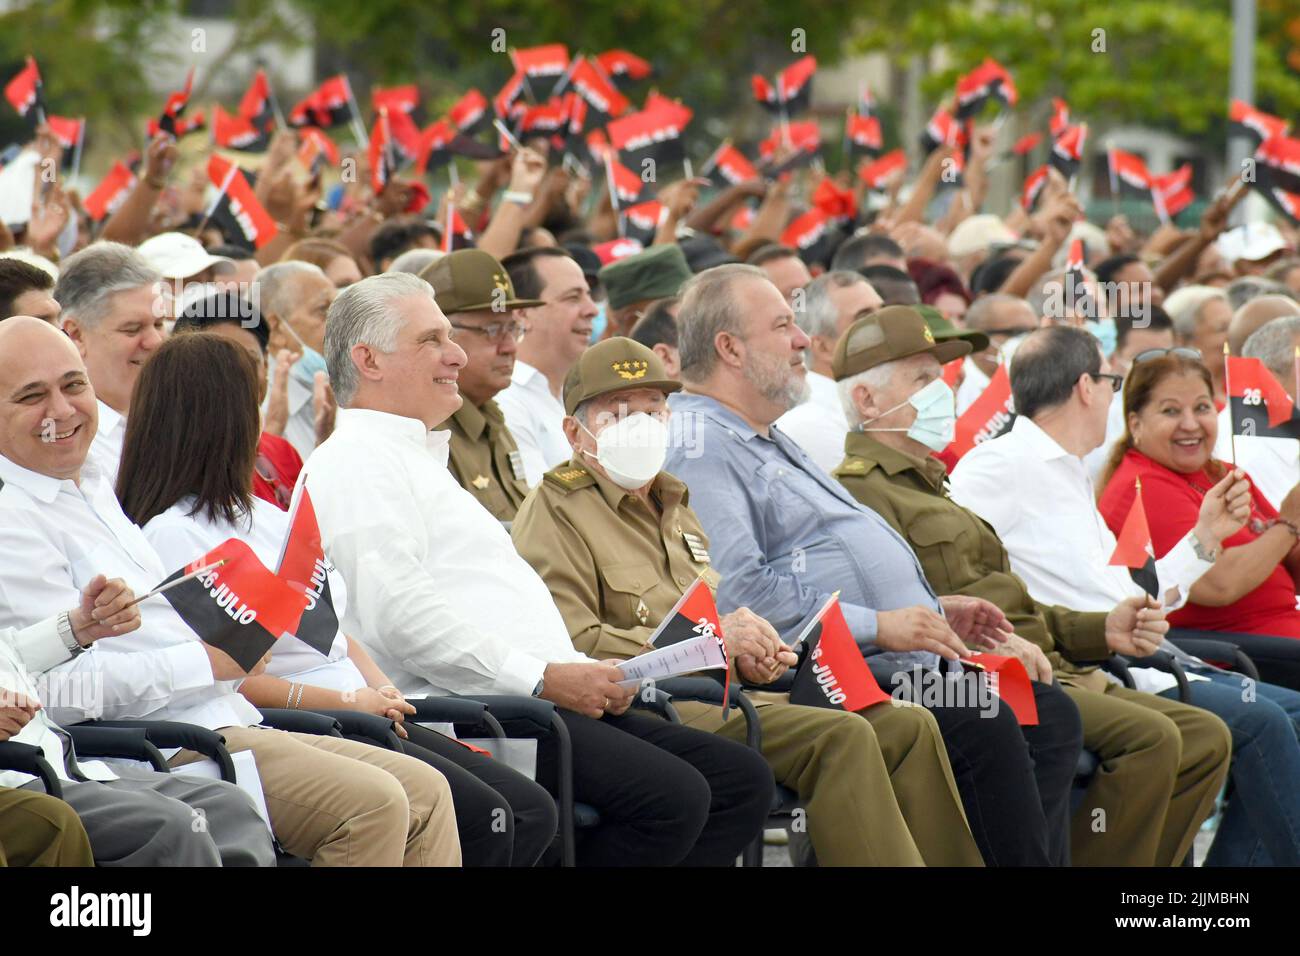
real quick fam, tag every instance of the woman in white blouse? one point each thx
(186, 479)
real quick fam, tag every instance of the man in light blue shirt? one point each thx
(784, 536)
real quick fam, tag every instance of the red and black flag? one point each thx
(169, 121)
(304, 566)
(237, 212)
(1260, 405)
(237, 132)
(258, 103)
(877, 174)
(1008, 679)
(604, 99)
(315, 148)
(622, 66)
(654, 132)
(1172, 192)
(1078, 296)
(1059, 121)
(406, 135)
(434, 149)
(629, 188)
(839, 205)
(1277, 164)
(942, 130)
(791, 91)
(1129, 175)
(469, 114)
(547, 62)
(641, 222)
(70, 133)
(26, 91)
(1067, 151)
(1255, 124)
(831, 671)
(240, 607)
(813, 236)
(988, 81)
(987, 417)
(1033, 189)
(545, 119)
(395, 99)
(1026, 144)
(802, 141)
(181, 126)
(327, 106)
(863, 135)
(1288, 204)
(384, 154)
(694, 615)
(729, 167)
(111, 192)
(1133, 548)
(506, 103)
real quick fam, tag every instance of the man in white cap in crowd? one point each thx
(1252, 248)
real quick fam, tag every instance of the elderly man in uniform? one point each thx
(614, 539)
(475, 293)
(1163, 762)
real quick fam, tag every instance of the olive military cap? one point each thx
(895, 332)
(656, 273)
(471, 280)
(612, 366)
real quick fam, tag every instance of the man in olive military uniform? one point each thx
(1163, 762)
(476, 294)
(612, 535)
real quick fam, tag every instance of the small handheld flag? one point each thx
(832, 672)
(1133, 548)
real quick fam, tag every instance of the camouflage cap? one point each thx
(471, 280)
(614, 365)
(895, 332)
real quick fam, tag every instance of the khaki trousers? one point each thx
(1162, 765)
(342, 803)
(39, 830)
(876, 786)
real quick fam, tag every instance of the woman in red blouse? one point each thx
(1171, 430)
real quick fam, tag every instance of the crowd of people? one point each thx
(525, 443)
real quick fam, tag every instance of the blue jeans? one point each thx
(1261, 825)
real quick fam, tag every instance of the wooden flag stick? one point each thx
(171, 584)
(1227, 388)
(509, 136)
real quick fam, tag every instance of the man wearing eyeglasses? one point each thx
(475, 293)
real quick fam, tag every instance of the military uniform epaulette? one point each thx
(852, 466)
(569, 477)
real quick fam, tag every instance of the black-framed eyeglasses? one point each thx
(1182, 351)
(1116, 381)
(497, 331)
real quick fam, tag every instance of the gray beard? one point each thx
(777, 382)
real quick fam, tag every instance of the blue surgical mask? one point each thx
(1104, 330)
(599, 322)
(936, 416)
(305, 369)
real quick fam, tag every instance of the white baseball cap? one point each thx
(1252, 242)
(178, 256)
(977, 233)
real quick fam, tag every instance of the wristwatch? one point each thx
(1202, 552)
(515, 196)
(68, 636)
(541, 685)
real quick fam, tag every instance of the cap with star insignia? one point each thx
(895, 332)
(471, 280)
(612, 366)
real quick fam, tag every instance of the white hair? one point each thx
(364, 314)
(1184, 307)
(415, 261)
(90, 278)
(878, 376)
(277, 288)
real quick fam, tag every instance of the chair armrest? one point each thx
(1215, 649)
(300, 722)
(448, 710)
(709, 691)
(523, 716)
(127, 743)
(26, 758)
(370, 728)
(166, 734)
(652, 698)
(1119, 667)
(1164, 661)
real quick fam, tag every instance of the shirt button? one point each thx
(683, 580)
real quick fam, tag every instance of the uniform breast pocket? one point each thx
(625, 586)
(938, 541)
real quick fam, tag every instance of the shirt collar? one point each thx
(41, 487)
(891, 461)
(708, 407)
(109, 418)
(471, 419)
(525, 375)
(669, 489)
(1038, 441)
(369, 421)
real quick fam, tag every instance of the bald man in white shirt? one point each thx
(445, 604)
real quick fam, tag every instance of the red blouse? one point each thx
(276, 472)
(1269, 609)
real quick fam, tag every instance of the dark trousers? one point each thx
(502, 817)
(667, 795)
(1015, 781)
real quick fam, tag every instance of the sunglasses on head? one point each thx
(1181, 351)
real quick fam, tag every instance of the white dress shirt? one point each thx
(1095, 460)
(819, 425)
(179, 537)
(1041, 502)
(535, 418)
(106, 447)
(438, 594)
(55, 536)
(972, 386)
(24, 655)
(1272, 463)
(300, 429)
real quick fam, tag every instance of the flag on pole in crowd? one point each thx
(237, 210)
(1033, 189)
(651, 133)
(383, 154)
(1288, 204)
(1133, 548)
(506, 103)
(111, 192)
(988, 81)
(1026, 144)
(628, 186)
(802, 140)
(942, 130)
(1260, 405)
(540, 63)
(1255, 124)
(237, 132)
(839, 205)
(327, 106)
(71, 134)
(1059, 121)
(316, 148)
(1008, 679)
(544, 119)
(877, 173)
(604, 99)
(987, 417)
(1128, 174)
(1277, 164)
(812, 236)
(728, 167)
(1078, 296)
(616, 249)
(641, 222)
(1172, 192)
(169, 121)
(620, 65)
(304, 566)
(25, 91)
(832, 672)
(258, 104)
(863, 135)
(181, 126)
(1067, 151)
(395, 99)
(791, 91)
(469, 114)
